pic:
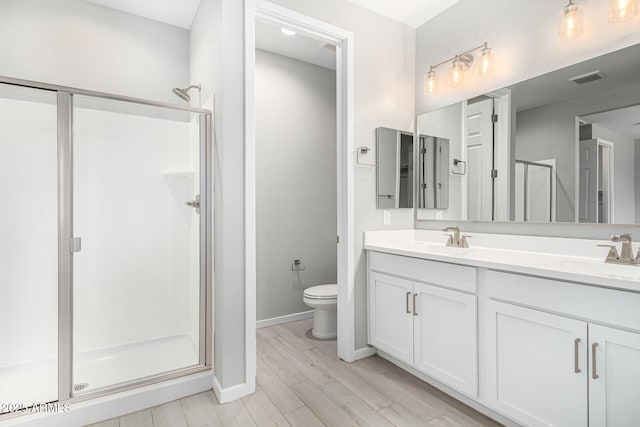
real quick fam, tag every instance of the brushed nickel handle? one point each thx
(594, 371)
(407, 303)
(576, 345)
(415, 313)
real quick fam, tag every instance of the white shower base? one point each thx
(114, 365)
(37, 382)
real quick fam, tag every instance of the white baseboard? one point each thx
(230, 394)
(117, 404)
(284, 319)
(451, 392)
(364, 352)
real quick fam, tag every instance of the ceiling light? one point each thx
(570, 26)
(288, 32)
(622, 10)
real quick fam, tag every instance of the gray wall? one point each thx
(550, 132)
(79, 44)
(295, 181)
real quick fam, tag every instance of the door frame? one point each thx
(273, 14)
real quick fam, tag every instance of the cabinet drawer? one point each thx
(603, 305)
(452, 276)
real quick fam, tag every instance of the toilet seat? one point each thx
(322, 292)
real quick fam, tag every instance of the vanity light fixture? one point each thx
(570, 26)
(431, 82)
(287, 32)
(622, 10)
(459, 65)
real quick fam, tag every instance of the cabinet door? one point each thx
(614, 377)
(536, 366)
(445, 337)
(391, 316)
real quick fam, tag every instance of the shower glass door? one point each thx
(28, 248)
(138, 300)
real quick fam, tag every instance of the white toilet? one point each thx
(324, 299)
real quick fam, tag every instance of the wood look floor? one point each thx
(301, 382)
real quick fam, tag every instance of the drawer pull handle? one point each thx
(407, 303)
(415, 313)
(576, 345)
(594, 370)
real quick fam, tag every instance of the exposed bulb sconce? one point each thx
(430, 82)
(459, 65)
(570, 26)
(622, 10)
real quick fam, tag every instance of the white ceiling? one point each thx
(625, 121)
(299, 47)
(411, 12)
(175, 12)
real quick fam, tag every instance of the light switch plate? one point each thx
(386, 217)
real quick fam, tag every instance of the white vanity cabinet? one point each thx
(391, 329)
(418, 315)
(537, 366)
(562, 369)
(614, 377)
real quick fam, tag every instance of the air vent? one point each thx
(589, 77)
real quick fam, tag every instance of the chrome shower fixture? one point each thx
(183, 93)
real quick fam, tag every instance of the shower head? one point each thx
(183, 93)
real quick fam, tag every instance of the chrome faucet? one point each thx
(455, 240)
(626, 251)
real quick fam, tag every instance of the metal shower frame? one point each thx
(65, 235)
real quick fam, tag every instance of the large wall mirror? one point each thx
(562, 147)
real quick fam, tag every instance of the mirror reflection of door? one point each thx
(479, 154)
(433, 191)
(596, 181)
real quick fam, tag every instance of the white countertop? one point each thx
(536, 256)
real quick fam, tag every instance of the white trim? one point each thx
(118, 404)
(285, 319)
(250, 213)
(363, 353)
(343, 40)
(452, 392)
(229, 394)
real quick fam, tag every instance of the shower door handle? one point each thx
(75, 244)
(194, 203)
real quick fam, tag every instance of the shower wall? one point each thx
(135, 264)
(80, 44)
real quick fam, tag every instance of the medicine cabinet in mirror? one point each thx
(394, 159)
(561, 147)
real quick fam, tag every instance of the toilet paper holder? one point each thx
(297, 265)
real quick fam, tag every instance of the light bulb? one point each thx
(430, 82)
(570, 26)
(622, 10)
(456, 75)
(485, 62)
(287, 32)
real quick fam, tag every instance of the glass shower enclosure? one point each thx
(105, 261)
